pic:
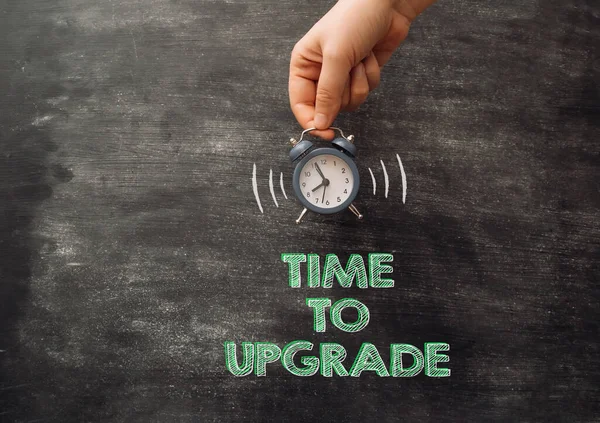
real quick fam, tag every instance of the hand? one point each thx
(337, 63)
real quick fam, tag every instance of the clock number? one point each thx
(339, 200)
(347, 181)
(307, 174)
(327, 202)
(317, 200)
(308, 195)
(323, 162)
(334, 163)
(346, 191)
(303, 184)
(343, 170)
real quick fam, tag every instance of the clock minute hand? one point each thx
(319, 170)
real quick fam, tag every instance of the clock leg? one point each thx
(354, 210)
(301, 216)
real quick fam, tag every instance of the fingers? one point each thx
(330, 89)
(301, 86)
(302, 100)
(305, 68)
(302, 93)
(359, 87)
(346, 95)
(318, 91)
(327, 134)
(365, 77)
(373, 71)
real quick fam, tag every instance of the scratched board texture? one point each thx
(132, 247)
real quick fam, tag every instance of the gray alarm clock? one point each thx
(326, 179)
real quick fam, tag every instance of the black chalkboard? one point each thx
(132, 247)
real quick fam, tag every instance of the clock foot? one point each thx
(301, 216)
(354, 210)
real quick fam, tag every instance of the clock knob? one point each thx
(345, 146)
(299, 149)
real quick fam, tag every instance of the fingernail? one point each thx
(320, 121)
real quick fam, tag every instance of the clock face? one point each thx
(327, 181)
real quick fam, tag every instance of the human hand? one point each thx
(337, 63)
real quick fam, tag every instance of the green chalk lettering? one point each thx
(311, 364)
(432, 358)
(376, 269)
(368, 359)
(314, 271)
(396, 367)
(329, 361)
(336, 315)
(266, 353)
(293, 260)
(332, 356)
(231, 361)
(355, 268)
(319, 305)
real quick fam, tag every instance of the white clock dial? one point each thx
(326, 181)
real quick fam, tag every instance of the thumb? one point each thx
(335, 72)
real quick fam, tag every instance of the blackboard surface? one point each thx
(132, 247)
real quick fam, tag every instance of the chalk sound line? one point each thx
(281, 185)
(374, 182)
(403, 179)
(386, 178)
(255, 188)
(271, 188)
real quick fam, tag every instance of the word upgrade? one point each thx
(330, 360)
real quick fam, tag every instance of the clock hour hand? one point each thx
(325, 183)
(318, 186)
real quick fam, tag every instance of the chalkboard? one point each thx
(133, 249)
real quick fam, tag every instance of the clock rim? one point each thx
(319, 152)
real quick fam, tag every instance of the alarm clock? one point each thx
(326, 179)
